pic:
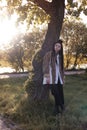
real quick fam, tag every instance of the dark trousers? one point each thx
(57, 92)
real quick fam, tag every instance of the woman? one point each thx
(53, 74)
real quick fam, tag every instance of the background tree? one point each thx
(75, 8)
(15, 57)
(3, 58)
(32, 44)
(23, 48)
(74, 34)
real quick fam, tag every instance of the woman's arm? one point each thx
(46, 61)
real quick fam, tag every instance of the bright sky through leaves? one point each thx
(8, 30)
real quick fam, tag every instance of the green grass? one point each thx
(38, 115)
(11, 92)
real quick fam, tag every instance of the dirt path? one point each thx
(3, 125)
(9, 75)
(6, 124)
(74, 72)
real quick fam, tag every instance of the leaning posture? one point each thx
(53, 74)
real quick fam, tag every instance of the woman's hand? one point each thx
(48, 80)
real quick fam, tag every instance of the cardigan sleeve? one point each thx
(46, 61)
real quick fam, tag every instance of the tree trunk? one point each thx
(53, 33)
(75, 62)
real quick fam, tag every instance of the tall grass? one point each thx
(11, 92)
(38, 115)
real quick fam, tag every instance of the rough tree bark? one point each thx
(56, 11)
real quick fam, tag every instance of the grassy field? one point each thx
(39, 115)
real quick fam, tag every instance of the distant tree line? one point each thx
(75, 43)
(24, 47)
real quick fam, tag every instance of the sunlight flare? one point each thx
(7, 31)
(3, 3)
(84, 18)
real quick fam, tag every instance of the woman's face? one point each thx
(57, 47)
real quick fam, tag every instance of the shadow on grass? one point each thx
(38, 115)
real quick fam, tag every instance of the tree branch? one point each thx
(58, 3)
(46, 6)
(49, 7)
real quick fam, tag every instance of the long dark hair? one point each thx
(60, 52)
